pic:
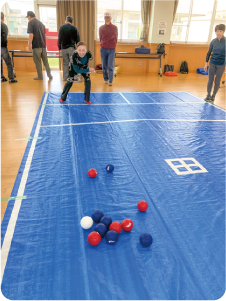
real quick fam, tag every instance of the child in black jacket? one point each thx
(79, 65)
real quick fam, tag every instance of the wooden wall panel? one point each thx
(194, 55)
(20, 63)
(128, 65)
(176, 53)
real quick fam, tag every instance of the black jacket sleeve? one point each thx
(60, 37)
(89, 55)
(30, 28)
(6, 31)
(4, 34)
(209, 52)
(76, 36)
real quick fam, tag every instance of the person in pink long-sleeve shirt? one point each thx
(108, 34)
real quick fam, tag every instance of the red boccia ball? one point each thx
(92, 173)
(116, 226)
(94, 238)
(127, 225)
(142, 206)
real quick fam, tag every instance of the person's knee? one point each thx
(87, 81)
(217, 81)
(110, 68)
(8, 63)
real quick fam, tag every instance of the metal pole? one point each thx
(189, 21)
(122, 6)
(160, 70)
(212, 21)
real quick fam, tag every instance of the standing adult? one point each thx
(108, 34)
(37, 43)
(5, 53)
(68, 37)
(217, 62)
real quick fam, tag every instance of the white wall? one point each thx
(161, 11)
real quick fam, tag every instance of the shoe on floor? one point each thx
(61, 100)
(207, 98)
(106, 82)
(110, 84)
(37, 78)
(4, 79)
(88, 102)
(11, 81)
(212, 98)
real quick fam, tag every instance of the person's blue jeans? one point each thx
(108, 60)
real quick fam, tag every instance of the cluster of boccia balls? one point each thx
(108, 229)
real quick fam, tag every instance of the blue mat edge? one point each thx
(16, 185)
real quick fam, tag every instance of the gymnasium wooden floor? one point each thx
(20, 103)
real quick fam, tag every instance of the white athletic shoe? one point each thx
(106, 82)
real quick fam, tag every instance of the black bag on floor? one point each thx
(168, 68)
(184, 67)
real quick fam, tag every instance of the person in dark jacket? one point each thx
(217, 64)
(79, 65)
(37, 43)
(5, 53)
(108, 34)
(68, 38)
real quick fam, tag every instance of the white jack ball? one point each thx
(86, 222)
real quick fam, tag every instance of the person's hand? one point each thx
(91, 70)
(205, 67)
(29, 48)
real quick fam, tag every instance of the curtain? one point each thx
(145, 10)
(175, 8)
(83, 14)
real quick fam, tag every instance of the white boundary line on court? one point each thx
(212, 104)
(124, 98)
(16, 208)
(125, 92)
(195, 96)
(125, 104)
(117, 121)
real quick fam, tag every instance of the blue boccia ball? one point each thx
(101, 229)
(145, 239)
(96, 216)
(106, 220)
(111, 237)
(110, 168)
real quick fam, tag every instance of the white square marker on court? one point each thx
(185, 166)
